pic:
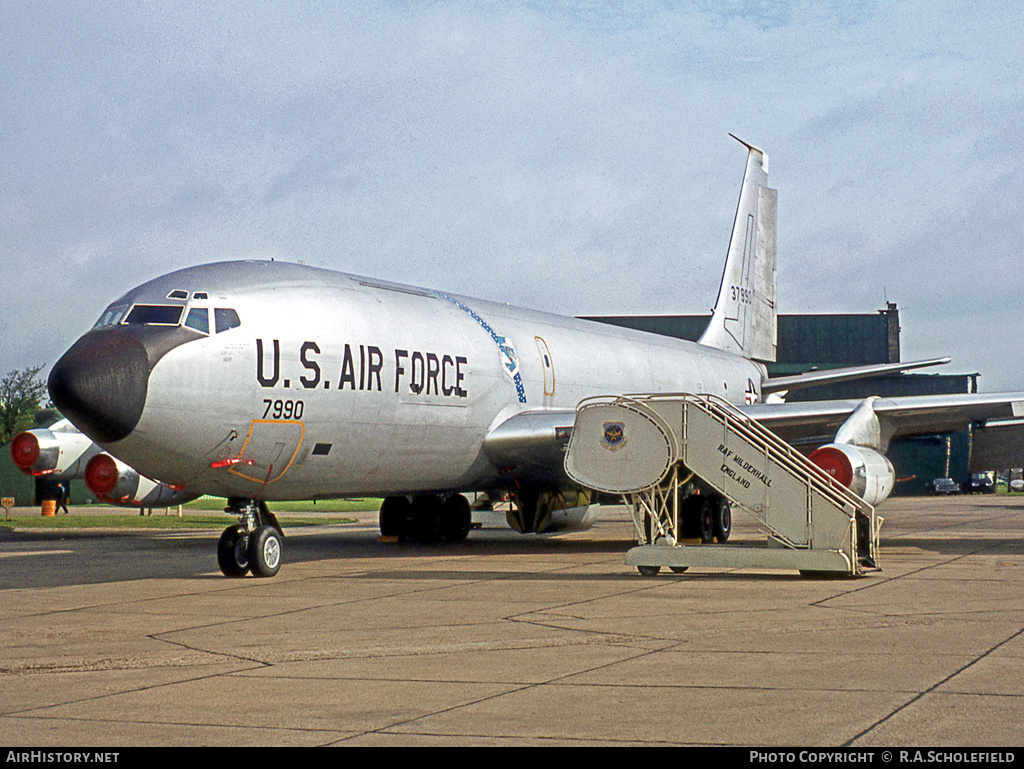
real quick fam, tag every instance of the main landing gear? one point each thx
(253, 544)
(707, 517)
(427, 518)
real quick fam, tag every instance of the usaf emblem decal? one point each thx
(614, 435)
(509, 359)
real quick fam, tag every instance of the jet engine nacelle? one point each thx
(114, 482)
(544, 512)
(863, 471)
(59, 454)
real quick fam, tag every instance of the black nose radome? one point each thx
(101, 383)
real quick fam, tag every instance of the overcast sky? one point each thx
(570, 157)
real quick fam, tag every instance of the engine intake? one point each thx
(863, 471)
(111, 480)
(114, 482)
(35, 451)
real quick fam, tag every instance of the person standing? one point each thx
(62, 498)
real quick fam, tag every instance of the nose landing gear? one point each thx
(251, 545)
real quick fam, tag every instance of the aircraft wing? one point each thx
(531, 442)
(815, 422)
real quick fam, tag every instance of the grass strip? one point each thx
(155, 521)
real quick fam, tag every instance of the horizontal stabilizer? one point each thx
(829, 376)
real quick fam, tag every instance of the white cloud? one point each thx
(529, 153)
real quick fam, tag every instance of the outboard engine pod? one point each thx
(35, 451)
(111, 480)
(863, 471)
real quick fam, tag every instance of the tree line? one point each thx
(22, 394)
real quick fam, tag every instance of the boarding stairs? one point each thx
(656, 451)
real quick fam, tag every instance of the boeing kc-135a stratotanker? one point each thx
(260, 381)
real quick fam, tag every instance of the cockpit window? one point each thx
(225, 319)
(112, 315)
(178, 294)
(198, 318)
(154, 315)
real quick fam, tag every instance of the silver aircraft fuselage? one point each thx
(321, 384)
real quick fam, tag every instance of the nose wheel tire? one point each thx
(264, 551)
(232, 551)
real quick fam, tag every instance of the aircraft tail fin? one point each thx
(744, 318)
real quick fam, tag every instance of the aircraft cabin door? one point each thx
(548, 364)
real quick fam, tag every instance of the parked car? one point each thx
(945, 486)
(982, 483)
(1016, 480)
